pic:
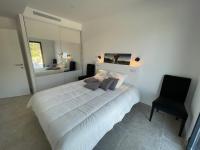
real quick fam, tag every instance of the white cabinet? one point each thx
(47, 31)
(49, 81)
(71, 76)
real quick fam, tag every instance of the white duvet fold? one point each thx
(72, 116)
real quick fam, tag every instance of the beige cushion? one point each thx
(101, 75)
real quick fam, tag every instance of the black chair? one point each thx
(172, 97)
(90, 72)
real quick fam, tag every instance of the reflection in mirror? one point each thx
(48, 57)
(36, 54)
(71, 53)
(43, 54)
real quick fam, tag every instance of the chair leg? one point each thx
(152, 111)
(182, 127)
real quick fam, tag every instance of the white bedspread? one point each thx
(76, 118)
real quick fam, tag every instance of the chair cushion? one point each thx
(171, 106)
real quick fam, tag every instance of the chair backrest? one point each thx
(175, 88)
(90, 69)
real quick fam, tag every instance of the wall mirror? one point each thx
(53, 49)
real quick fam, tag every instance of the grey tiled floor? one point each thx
(135, 132)
(20, 130)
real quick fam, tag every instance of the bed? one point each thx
(76, 118)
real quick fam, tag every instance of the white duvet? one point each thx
(76, 118)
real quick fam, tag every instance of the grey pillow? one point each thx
(91, 79)
(106, 83)
(92, 85)
(114, 83)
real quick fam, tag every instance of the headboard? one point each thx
(124, 69)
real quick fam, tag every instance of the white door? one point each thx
(13, 79)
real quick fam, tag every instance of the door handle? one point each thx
(19, 65)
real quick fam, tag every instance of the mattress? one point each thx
(76, 118)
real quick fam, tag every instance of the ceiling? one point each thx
(76, 10)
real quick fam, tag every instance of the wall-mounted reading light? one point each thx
(99, 59)
(135, 62)
(137, 59)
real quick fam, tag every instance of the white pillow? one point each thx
(119, 76)
(101, 75)
(102, 72)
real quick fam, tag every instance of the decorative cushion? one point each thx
(114, 84)
(102, 72)
(91, 79)
(119, 76)
(92, 85)
(98, 77)
(106, 83)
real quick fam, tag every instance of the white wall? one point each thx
(157, 32)
(165, 34)
(194, 69)
(7, 23)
